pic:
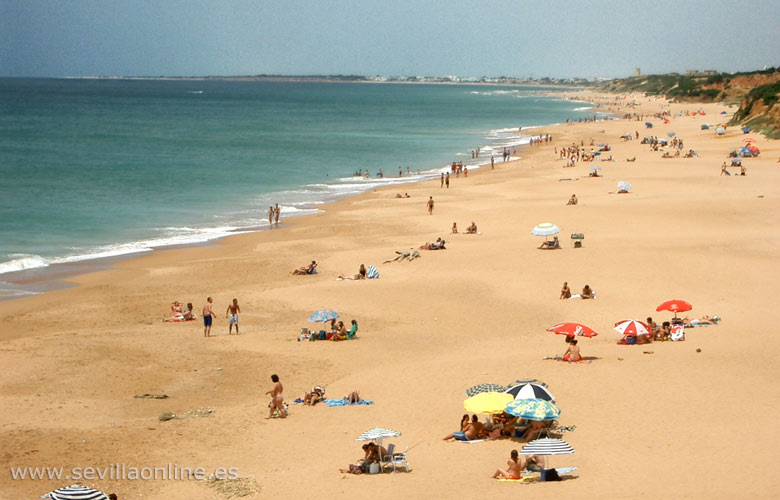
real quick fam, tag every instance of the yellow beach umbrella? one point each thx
(487, 402)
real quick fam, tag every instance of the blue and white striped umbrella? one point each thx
(531, 391)
(377, 434)
(76, 492)
(547, 447)
(533, 409)
(323, 315)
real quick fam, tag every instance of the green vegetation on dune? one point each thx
(756, 92)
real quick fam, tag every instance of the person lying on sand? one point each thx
(353, 397)
(185, 315)
(704, 320)
(554, 243)
(472, 229)
(361, 275)
(405, 195)
(436, 245)
(572, 200)
(514, 467)
(316, 395)
(310, 269)
(565, 291)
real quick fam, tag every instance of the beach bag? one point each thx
(550, 475)
(323, 335)
(355, 469)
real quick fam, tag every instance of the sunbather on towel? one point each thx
(316, 395)
(572, 353)
(185, 315)
(361, 274)
(354, 398)
(704, 320)
(436, 245)
(473, 430)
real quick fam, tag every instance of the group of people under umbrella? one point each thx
(525, 411)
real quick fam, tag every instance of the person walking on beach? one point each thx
(232, 315)
(277, 211)
(276, 397)
(442, 179)
(207, 318)
(447, 180)
(270, 216)
(430, 205)
(492, 163)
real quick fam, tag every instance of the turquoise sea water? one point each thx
(92, 168)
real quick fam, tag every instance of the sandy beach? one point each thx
(692, 419)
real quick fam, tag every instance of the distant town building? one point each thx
(638, 72)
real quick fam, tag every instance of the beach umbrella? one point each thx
(632, 327)
(596, 167)
(662, 139)
(487, 402)
(531, 391)
(545, 229)
(753, 148)
(648, 125)
(745, 151)
(748, 139)
(478, 389)
(546, 447)
(533, 409)
(76, 492)
(597, 153)
(623, 186)
(674, 306)
(705, 126)
(720, 130)
(572, 330)
(670, 134)
(323, 315)
(378, 434)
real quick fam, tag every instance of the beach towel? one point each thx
(525, 479)
(345, 402)
(372, 273)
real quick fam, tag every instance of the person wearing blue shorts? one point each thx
(207, 318)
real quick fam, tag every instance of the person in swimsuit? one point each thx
(565, 291)
(464, 424)
(514, 467)
(277, 212)
(207, 318)
(276, 397)
(232, 315)
(587, 293)
(270, 216)
(572, 354)
(430, 205)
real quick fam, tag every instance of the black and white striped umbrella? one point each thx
(531, 391)
(76, 492)
(478, 389)
(377, 433)
(546, 447)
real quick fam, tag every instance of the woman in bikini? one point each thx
(514, 467)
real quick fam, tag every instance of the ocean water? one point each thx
(96, 168)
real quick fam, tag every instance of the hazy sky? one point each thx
(385, 37)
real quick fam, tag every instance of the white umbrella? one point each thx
(545, 229)
(623, 186)
(632, 327)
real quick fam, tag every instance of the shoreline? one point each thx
(429, 329)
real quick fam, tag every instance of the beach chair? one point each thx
(577, 239)
(352, 332)
(395, 460)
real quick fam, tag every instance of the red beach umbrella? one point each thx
(748, 139)
(753, 148)
(674, 306)
(632, 327)
(572, 329)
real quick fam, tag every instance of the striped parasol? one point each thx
(632, 327)
(546, 447)
(480, 388)
(377, 434)
(533, 409)
(76, 492)
(545, 229)
(531, 391)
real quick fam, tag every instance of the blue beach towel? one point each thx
(345, 402)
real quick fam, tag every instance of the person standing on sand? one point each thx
(232, 315)
(276, 397)
(447, 180)
(270, 216)
(277, 211)
(430, 205)
(207, 318)
(442, 179)
(492, 163)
